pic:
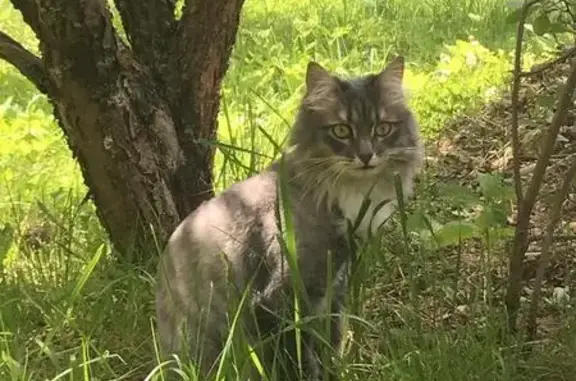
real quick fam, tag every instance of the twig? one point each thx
(515, 95)
(527, 205)
(27, 63)
(569, 11)
(545, 66)
(532, 325)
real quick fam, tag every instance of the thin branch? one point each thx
(515, 104)
(569, 10)
(149, 26)
(527, 205)
(545, 66)
(27, 63)
(555, 215)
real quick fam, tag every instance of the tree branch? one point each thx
(555, 215)
(569, 10)
(527, 205)
(149, 25)
(547, 65)
(27, 63)
(202, 54)
(515, 95)
(78, 36)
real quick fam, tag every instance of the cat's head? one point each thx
(356, 127)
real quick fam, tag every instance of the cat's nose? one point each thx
(365, 158)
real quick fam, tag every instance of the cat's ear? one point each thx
(390, 80)
(393, 73)
(316, 75)
(322, 89)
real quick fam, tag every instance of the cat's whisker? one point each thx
(403, 157)
(402, 150)
(315, 159)
(339, 171)
(330, 195)
(342, 171)
(318, 167)
(306, 170)
(320, 177)
(317, 183)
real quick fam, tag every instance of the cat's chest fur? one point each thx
(349, 200)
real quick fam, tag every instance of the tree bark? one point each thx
(133, 115)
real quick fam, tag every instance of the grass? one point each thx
(69, 312)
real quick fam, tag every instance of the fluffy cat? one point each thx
(349, 139)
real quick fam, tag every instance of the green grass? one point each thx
(69, 312)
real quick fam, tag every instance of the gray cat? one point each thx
(349, 139)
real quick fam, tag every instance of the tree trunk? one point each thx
(133, 115)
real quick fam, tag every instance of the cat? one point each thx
(349, 138)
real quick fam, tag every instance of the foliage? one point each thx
(547, 16)
(553, 18)
(480, 213)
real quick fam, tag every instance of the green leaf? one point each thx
(493, 215)
(455, 232)
(541, 24)
(489, 185)
(546, 101)
(514, 15)
(559, 27)
(415, 221)
(507, 232)
(493, 187)
(422, 224)
(458, 195)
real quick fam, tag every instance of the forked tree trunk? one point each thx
(133, 115)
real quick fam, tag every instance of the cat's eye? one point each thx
(383, 130)
(341, 131)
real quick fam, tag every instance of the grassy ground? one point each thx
(68, 312)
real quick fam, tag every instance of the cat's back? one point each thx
(208, 247)
(227, 219)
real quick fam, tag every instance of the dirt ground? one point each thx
(480, 143)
